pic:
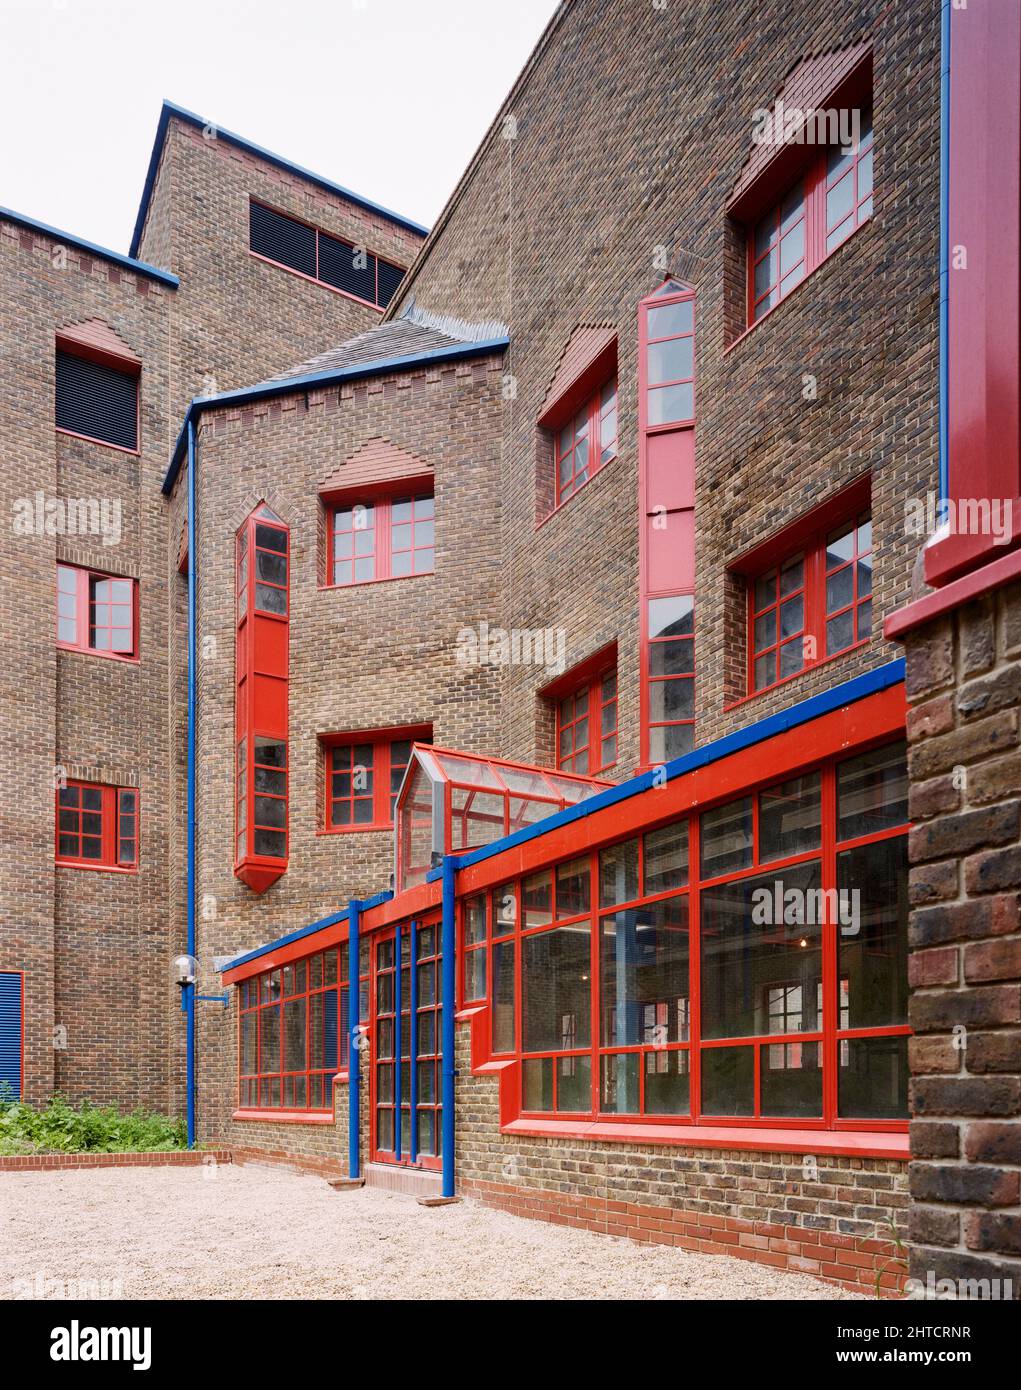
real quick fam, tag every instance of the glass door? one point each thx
(405, 1100)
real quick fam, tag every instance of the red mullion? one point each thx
(84, 627)
(694, 970)
(595, 1019)
(380, 782)
(830, 953)
(383, 558)
(815, 599)
(815, 216)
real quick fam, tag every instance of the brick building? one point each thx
(511, 633)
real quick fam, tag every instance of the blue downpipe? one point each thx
(193, 564)
(944, 257)
(354, 1067)
(449, 976)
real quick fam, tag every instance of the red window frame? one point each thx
(304, 1088)
(807, 205)
(102, 821)
(340, 752)
(77, 604)
(591, 701)
(666, 418)
(597, 419)
(812, 586)
(314, 279)
(543, 894)
(396, 526)
(262, 755)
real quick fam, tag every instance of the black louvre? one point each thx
(344, 269)
(97, 401)
(280, 238)
(390, 276)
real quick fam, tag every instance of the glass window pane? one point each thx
(475, 973)
(791, 1080)
(790, 818)
(503, 996)
(537, 1084)
(727, 838)
(618, 1089)
(872, 792)
(670, 319)
(537, 899)
(839, 632)
(574, 1085)
(667, 1089)
(728, 1081)
(666, 858)
(672, 617)
(556, 989)
(872, 1083)
(474, 921)
(762, 948)
(269, 1038)
(618, 873)
(670, 403)
(644, 974)
(672, 360)
(872, 905)
(668, 741)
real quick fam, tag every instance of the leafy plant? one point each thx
(62, 1128)
(899, 1262)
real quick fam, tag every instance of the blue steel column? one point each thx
(354, 1070)
(188, 999)
(412, 1044)
(397, 1044)
(450, 863)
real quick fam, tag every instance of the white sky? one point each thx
(387, 97)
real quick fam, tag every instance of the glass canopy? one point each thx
(454, 802)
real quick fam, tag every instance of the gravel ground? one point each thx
(263, 1232)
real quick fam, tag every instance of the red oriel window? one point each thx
(586, 442)
(292, 1033)
(587, 725)
(813, 605)
(97, 826)
(831, 199)
(260, 827)
(382, 538)
(96, 612)
(364, 773)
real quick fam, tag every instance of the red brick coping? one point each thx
(174, 1158)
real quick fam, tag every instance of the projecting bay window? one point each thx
(261, 700)
(586, 442)
(382, 538)
(96, 613)
(813, 605)
(816, 214)
(97, 826)
(745, 966)
(293, 1034)
(364, 773)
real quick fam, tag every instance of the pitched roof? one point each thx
(398, 339)
(169, 110)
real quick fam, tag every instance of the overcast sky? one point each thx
(387, 97)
